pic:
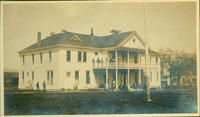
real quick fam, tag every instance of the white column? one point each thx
(128, 80)
(106, 78)
(128, 58)
(140, 80)
(116, 83)
(116, 57)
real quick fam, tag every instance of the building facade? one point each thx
(70, 60)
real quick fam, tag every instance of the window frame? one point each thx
(33, 58)
(79, 56)
(33, 75)
(68, 54)
(68, 74)
(84, 56)
(23, 59)
(87, 77)
(76, 75)
(50, 56)
(41, 57)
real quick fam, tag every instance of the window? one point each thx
(50, 77)
(50, 56)
(157, 76)
(87, 77)
(156, 59)
(22, 75)
(32, 75)
(23, 59)
(27, 73)
(76, 75)
(133, 40)
(33, 58)
(79, 56)
(40, 57)
(84, 56)
(96, 53)
(150, 76)
(68, 74)
(135, 58)
(68, 56)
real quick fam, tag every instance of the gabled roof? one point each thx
(81, 40)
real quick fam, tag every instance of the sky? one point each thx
(169, 25)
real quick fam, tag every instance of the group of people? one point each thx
(99, 61)
(44, 85)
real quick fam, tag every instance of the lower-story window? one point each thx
(150, 76)
(50, 77)
(87, 77)
(68, 74)
(22, 75)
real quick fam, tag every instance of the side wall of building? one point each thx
(38, 71)
(68, 68)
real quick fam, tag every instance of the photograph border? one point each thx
(62, 2)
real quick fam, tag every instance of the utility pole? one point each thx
(146, 53)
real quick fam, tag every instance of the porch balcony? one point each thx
(111, 65)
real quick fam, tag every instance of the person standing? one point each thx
(37, 85)
(44, 85)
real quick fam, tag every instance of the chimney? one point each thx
(39, 39)
(92, 34)
(39, 36)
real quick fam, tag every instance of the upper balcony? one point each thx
(123, 60)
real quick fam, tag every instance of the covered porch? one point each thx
(120, 79)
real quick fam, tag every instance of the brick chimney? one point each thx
(92, 34)
(39, 38)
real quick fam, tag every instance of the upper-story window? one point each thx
(96, 53)
(50, 56)
(79, 56)
(23, 59)
(156, 59)
(40, 57)
(68, 56)
(33, 58)
(84, 56)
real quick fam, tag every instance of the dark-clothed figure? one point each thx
(37, 85)
(44, 85)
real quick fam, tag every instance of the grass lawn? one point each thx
(164, 101)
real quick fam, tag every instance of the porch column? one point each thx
(116, 83)
(106, 78)
(116, 57)
(128, 80)
(139, 78)
(128, 58)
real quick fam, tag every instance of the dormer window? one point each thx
(96, 53)
(134, 40)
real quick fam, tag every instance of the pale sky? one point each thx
(170, 25)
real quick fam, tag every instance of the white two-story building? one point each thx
(70, 60)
